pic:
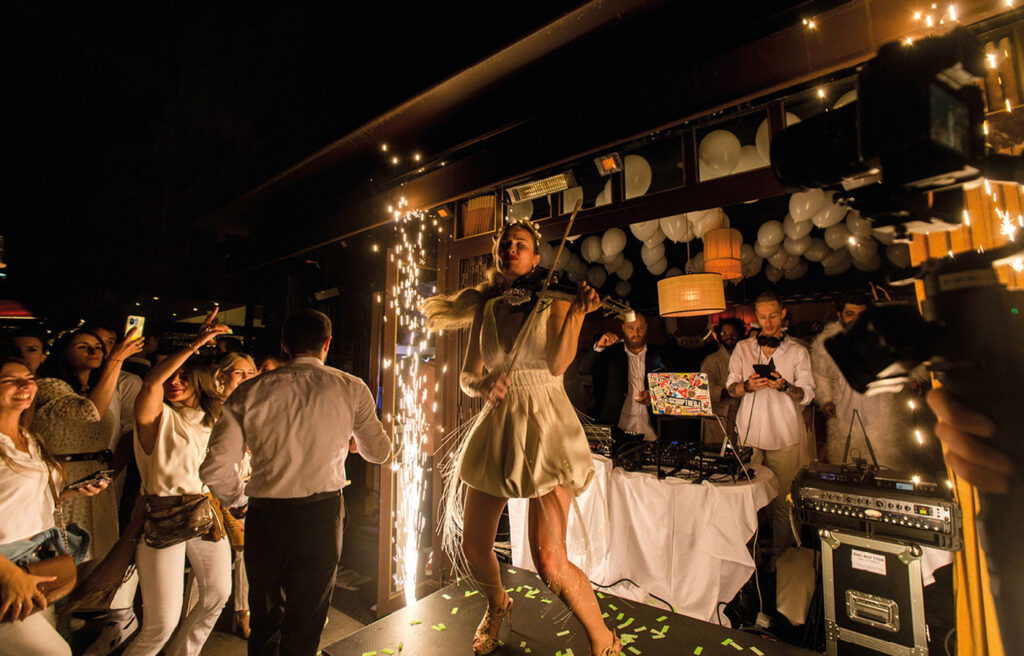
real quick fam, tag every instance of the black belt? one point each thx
(266, 502)
(104, 456)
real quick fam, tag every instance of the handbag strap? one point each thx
(58, 513)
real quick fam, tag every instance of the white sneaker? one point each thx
(114, 634)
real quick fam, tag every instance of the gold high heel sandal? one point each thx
(483, 640)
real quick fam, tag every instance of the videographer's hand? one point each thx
(607, 339)
(755, 382)
(963, 430)
(829, 410)
(493, 387)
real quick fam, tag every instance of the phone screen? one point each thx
(135, 321)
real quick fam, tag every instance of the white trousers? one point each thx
(36, 636)
(162, 579)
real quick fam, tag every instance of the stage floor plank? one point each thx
(442, 624)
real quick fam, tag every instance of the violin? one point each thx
(524, 291)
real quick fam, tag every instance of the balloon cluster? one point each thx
(721, 153)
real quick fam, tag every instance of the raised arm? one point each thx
(149, 404)
(105, 387)
(564, 323)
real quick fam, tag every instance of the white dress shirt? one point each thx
(634, 417)
(297, 421)
(769, 419)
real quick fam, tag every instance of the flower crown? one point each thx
(525, 224)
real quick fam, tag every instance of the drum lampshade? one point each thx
(691, 295)
(722, 253)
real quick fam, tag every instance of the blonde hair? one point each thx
(457, 310)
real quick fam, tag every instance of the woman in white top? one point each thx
(27, 470)
(174, 414)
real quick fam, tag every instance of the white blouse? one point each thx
(26, 502)
(173, 466)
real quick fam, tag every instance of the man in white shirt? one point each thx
(770, 418)
(296, 421)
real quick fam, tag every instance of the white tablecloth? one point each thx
(679, 541)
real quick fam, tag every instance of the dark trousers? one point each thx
(292, 548)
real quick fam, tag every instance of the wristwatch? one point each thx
(785, 386)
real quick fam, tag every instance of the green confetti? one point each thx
(662, 618)
(757, 651)
(604, 615)
(446, 596)
(613, 606)
(519, 589)
(369, 653)
(626, 623)
(400, 645)
(562, 633)
(455, 610)
(738, 648)
(470, 593)
(656, 636)
(545, 601)
(600, 596)
(415, 622)
(727, 641)
(642, 628)
(633, 649)
(532, 594)
(568, 652)
(439, 626)
(386, 651)
(522, 643)
(527, 650)
(664, 629)
(510, 570)
(509, 589)
(697, 651)
(620, 616)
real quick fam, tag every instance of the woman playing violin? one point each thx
(528, 441)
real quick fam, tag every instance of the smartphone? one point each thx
(764, 370)
(92, 479)
(135, 321)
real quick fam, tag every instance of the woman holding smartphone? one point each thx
(174, 414)
(29, 475)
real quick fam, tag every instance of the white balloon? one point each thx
(766, 251)
(845, 99)
(547, 254)
(763, 137)
(797, 246)
(791, 262)
(796, 229)
(569, 198)
(591, 249)
(835, 258)
(886, 237)
(563, 260)
(770, 233)
(675, 227)
(720, 152)
(838, 268)
(574, 276)
(625, 271)
(651, 255)
(898, 254)
(804, 204)
(658, 268)
(779, 258)
(837, 236)
(622, 288)
(705, 173)
(696, 263)
(596, 275)
(521, 210)
(750, 159)
(773, 273)
(606, 258)
(829, 215)
(674, 271)
(871, 264)
(862, 250)
(644, 229)
(857, 225)
(817, 250)
(655, 239)
(637, 176)
(576, 264)
(605, 196)
(613, 241)
(747, 254)
(797, 271)
(753, 268)
(615, 263)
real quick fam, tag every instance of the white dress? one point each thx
(532, 441)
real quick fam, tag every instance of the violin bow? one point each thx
(544, 288)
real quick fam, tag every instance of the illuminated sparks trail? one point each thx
(410, 424)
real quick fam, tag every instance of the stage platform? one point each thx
(442, 624)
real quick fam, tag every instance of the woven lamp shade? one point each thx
(691, 295)
(722, 253)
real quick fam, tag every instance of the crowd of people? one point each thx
(113, 424)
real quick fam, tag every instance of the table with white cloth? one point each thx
(680, 541)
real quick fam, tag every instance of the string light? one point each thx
(394, 160)
(416, 157)
(967, 219)
(383, 148)
(912, 405)
(821, 92)
(1009, 109)
(919, 436)
(375, 248)
(810, 24)
(916, 479)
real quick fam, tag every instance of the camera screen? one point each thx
(950, 120)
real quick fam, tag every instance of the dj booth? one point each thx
(680, 541)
